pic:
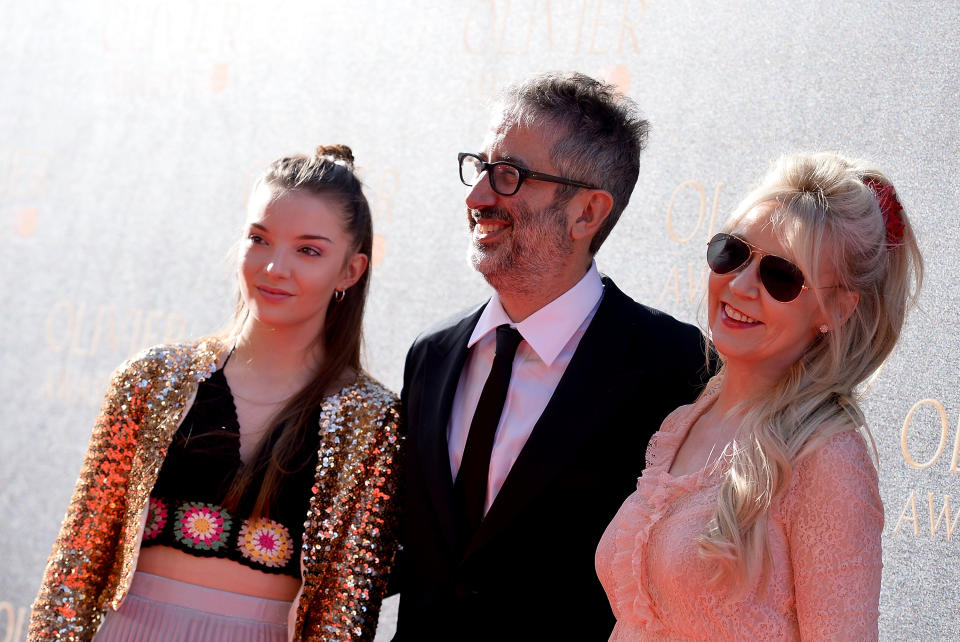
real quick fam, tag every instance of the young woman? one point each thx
(758, 515)
(241, 487)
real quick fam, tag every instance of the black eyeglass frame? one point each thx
(522, 174)
(754, 250)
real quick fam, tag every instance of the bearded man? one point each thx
(528, 416)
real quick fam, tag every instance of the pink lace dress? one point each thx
(824, 535)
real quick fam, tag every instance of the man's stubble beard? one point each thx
(538, 248)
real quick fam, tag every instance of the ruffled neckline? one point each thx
(656, 488)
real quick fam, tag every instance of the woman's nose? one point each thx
(746, 280)
(277, 266)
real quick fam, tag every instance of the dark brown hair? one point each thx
(328, 173)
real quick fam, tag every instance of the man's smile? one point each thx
(488, 229)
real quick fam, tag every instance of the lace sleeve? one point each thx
(835, 522)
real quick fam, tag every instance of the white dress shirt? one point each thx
(550, 337)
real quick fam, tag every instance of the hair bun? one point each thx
(337, 153)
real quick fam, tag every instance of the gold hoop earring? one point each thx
(338, 295)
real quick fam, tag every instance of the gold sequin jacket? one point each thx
(349, 537)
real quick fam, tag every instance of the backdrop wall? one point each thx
(131, 132)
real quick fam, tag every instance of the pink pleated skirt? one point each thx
(159, 609)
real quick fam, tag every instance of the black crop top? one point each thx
(203, 458)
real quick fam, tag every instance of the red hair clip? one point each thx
(890, 208)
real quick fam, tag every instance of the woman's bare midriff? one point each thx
(218, 573)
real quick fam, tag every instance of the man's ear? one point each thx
(594, 211)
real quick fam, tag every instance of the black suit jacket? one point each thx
(529, 572)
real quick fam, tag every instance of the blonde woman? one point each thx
(241, 488)
(758, 515)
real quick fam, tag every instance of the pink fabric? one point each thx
(824, 535)
(160, 609)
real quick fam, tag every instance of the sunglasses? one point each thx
(782, 279)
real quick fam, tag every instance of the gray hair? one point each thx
(600, 134)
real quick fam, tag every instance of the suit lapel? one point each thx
(594, 374)
(444, 362)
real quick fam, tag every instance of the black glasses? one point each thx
(505, 178)
(781, 278)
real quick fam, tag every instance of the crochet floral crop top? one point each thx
(186, 510)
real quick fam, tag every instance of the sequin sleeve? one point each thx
(82, 566)
(93, 555)
(350, 539)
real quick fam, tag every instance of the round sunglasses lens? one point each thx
(781, 278)
(726, 253)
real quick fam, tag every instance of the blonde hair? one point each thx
(822, 205)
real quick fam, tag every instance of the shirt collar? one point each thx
(550, 328)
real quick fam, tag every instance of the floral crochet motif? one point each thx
(266, 542)
(156, 519)
(202, 526)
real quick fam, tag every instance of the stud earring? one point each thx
(824, 329)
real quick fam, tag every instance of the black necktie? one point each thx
(470, 489)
